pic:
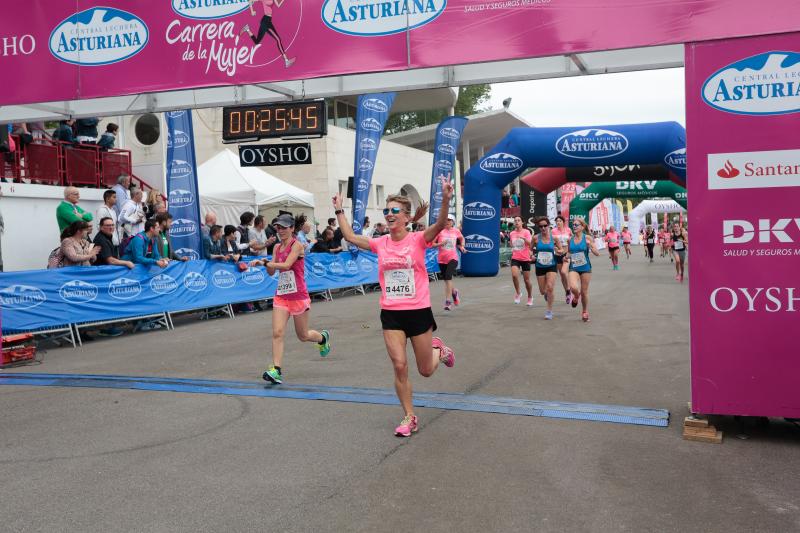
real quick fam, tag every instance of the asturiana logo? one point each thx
(179, 168)
(124, 288)
(223, 279)
(447, 149)
(476, 243)
(444, 165)
(676, 159)
(363, 185)
(176, 114)
(450, 133)
(356, 226)
(183, 227)
(98, 36)
(351, 267)
(371, 124)
(77, 291)
(501, 163)
(591, 144)
(375, 104)
(178, 140)
(379, 17)
(479, 211)
(163, 284)
(253, 276)
(365, 264)
(208, 9)
(181, 198)
(368, 145)
(195, 282)
(21, 297)
(336, 267)
(318, 269)
(365, 165)
(764, 84)
(187, 252)
(359, 205)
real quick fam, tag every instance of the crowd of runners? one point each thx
(555, 253)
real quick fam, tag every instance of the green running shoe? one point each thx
(273, 375)
(325, 345)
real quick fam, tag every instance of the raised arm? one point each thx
(447, 192)
(347, 231)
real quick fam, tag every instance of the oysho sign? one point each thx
(764, 84)
(379, 17)
(591, 144)
(98, 36)
(208, 9)
(275, 155)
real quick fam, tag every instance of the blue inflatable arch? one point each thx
(523, 148)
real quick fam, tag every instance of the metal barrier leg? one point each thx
(78, 335)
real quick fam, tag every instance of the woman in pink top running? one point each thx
(405, 295)
(291, 296)
(448, 240)
(612, 240)
(266, 27)
(521, 239)
(562, 234)
(626, 241)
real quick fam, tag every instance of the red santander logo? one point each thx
(728, 170)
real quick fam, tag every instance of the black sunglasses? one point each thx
(543, 225)
(393, 210)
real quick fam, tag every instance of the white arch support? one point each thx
(636, 216)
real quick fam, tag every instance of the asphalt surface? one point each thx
(85, 460)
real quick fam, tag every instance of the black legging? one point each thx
(650, 249)
(265, 27)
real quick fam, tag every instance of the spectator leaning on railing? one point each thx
(64, 131)
(325, 243)
(132, 217)
(122, 188)
(109, 137)
(228, 245)
(86, 130)
(109, 251)
(259, 240)
(75, 250)
(107, 210)
(165, 240)
(69, 211)
(143, 247)
(211, 244)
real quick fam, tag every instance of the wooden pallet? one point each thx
(699, 430)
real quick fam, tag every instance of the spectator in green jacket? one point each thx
(69, 211)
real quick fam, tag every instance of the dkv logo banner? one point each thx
(373, 111)
(182, 188)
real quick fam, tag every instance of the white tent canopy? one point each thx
(229, 190)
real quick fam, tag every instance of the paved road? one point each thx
(110, 460)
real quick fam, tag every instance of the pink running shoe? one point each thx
(456, 297)
(406, 427)
(446, 354)
(677, 277)
(447, 305)
(569, 298)
(530, 302)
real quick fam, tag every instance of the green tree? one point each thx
(472, 99)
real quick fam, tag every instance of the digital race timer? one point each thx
(287, 119)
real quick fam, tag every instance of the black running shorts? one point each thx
(412, 322)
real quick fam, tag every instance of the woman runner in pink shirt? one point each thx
(448, 240)
(612, 239)
(521, 239)
(562, 233)
(626, 241)
(405, 295)
(291, 296)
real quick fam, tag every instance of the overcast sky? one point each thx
(625, 98)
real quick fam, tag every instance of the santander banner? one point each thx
(742, 109)
(92, 49)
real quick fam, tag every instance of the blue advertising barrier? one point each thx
(37, 299)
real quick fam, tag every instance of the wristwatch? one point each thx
(338, 211)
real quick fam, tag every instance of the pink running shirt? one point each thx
(626, 237)
(447, 251)
(292, 282)
(519, 250)
(612, 238)
(562, 236)
(401, 271)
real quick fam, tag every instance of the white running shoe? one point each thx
(289, 61)
(517, 298)
(245, 29)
